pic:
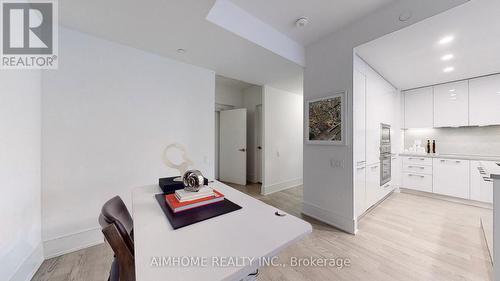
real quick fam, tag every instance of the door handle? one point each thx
(259, 147)
(242, 149)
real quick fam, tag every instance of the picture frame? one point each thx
(326, 120)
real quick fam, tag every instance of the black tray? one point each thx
(185, 218)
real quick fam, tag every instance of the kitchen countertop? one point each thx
(453, 156)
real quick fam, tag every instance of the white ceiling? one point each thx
(411, 57)
(325, 16)
(163, 26)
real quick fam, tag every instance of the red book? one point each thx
(177, 206)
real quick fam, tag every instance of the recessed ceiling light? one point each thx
(181, 51)
(446, 39)
(447, 57)
(448, 69)
(301, 22)
(405, 16)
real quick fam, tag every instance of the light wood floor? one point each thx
(407, 237)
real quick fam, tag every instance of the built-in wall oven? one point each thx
(385, 154)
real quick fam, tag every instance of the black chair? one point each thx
(117, 227)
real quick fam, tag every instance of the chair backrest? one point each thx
(117, 227)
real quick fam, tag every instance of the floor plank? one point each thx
(407, 237)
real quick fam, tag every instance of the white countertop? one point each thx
(253, 231)
(452, 156)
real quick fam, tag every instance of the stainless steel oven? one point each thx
(385, 154)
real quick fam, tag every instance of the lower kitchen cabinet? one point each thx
(420, 182)
(451, 177)
(372, 184)
(360, 190)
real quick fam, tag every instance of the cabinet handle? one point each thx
(374, 167)
(360, 168)
(412, 175)
(420, 167)
(421, 159)
(360, 162)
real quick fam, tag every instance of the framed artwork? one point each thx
(325, 120)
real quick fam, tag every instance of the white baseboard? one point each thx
(73, 242)
(345, 224)
(266, 190)
(30, 265)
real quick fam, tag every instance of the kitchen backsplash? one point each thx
(484, 141)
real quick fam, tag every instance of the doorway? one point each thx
(238, 131)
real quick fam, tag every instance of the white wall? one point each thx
(328, 192)
(283, 140)
(252, 97)
(21, 250)
(226, 94)
(108, 113)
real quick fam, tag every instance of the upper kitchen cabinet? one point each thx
(484, 101)
(451, 104)
(419, 108)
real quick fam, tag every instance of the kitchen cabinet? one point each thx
(379, 101)
(359, 117)
(372, 184)
(481, 187)
(451, 177)
(360, 190)
(417, 173)
(484, 94)
(419, 108)
(416, 181)
(395, 171)
(451, 104)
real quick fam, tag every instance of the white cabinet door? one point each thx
(372, 184)
(451, 177)
(481, 189)
(378, 110)
(419, 108)
(359, 118)
(360, 190)
(416, 181)
(451, 104)
(484, 101)
(396, 165)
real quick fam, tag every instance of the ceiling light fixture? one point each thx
(446, 40)
(448, 69)
(181, 51)
(447, 57)
(301, 22)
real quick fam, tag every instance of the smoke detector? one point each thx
(301, 22)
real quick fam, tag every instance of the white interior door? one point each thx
(258, 132)
(233, 146)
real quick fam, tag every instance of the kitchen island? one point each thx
(494, 171)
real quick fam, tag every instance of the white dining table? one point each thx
(227, 247)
